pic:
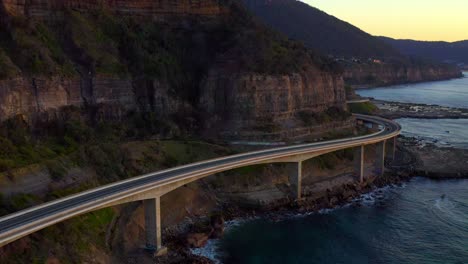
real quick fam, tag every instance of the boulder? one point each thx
(197, 240)
(217, 223)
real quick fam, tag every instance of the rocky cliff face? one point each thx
(109, 67)
(253, 106)
(44, 99)
(239, 106)
(388, 74)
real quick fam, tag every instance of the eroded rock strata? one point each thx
(382, 74)
(195, 67)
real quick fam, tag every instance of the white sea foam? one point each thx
(211, 249)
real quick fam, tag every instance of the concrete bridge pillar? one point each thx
(295, 179)
(359, 162)
(153, 225)
(380, 158)
(392, 149)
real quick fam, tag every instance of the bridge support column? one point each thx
(393, 143)
(380, 158)
(153, 225)
(359, 162)
(295, 179)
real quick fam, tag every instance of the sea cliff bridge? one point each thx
(150, 187)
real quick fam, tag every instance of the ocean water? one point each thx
(453, 93)
(424, 221)
(442, 132)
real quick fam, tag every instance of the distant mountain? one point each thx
(453, 52)
(318, 30)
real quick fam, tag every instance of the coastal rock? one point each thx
(52, 260)
(217, 223)
(197, 240)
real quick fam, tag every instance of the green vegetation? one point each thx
(19, 148)
(17, 202)
(331, 114)
(99, 42)
(184, 152)
(245, 176)
(90, 43)
(89, 35)
(365, 108)
(35, 49)
(349, 90)
(329, 161)
(76, 237)
(437, 51)
(7, 68)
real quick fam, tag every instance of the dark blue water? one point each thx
(442, 132)
(452, 93)
(424, 222)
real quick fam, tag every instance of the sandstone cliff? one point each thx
(108, 67)
(254, 107)
(376, 74)
(44, 98)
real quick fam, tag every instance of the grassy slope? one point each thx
(366, 108)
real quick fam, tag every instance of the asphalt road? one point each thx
(24, 222)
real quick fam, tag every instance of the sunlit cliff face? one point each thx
(430, 20)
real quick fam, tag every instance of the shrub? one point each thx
(365, 108)
(56, 169)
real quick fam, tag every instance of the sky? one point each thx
(429, 20)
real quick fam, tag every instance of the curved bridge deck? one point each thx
(153, 186)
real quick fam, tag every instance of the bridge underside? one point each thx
(152, 198)
(151, 194)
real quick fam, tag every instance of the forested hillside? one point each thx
(319, 30)
(453, 52)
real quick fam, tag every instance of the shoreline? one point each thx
(395, 110)
(414, 159)
(374, 86)
(406, 167)
(309, 205)
(209, 252)
(373, 196)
